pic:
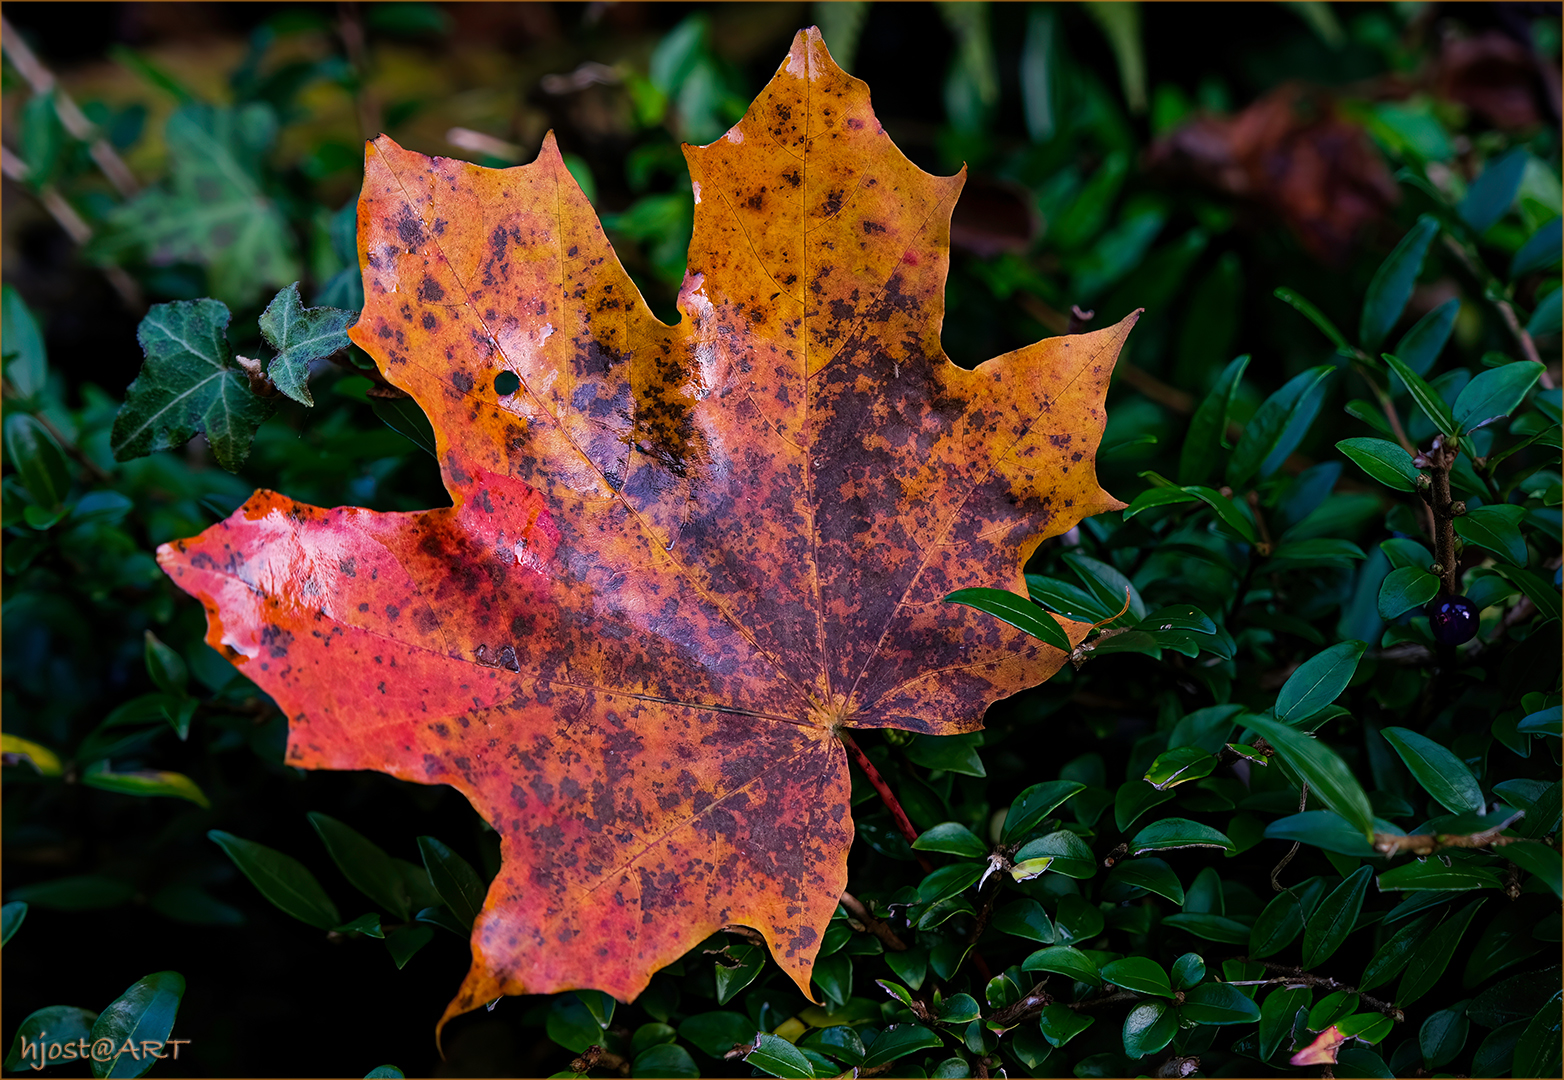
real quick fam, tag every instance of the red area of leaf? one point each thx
(679, 560)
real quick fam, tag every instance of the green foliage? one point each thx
(1261, 761)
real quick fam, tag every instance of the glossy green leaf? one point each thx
(668, 1060)
(1541, 250)
(143, 1013)
(1420, 346)
(1277, 1012)
(1018, 611)
(778, 1057)
(1277, 427)
(953, 753)
(1281, 921)
(959, 1009)
(1494, 394)
(78, 892)
(301, 336)
(1326, 830)
(1518, 997)
(1495, 528)
(741, 964)
(1107, 584)
(367, 924)
(1177, 766)
(1392, 284)
(1497, 1051)
(1226, 511)
(1505, 940)
(1060, 1023)
(717, 1032)
(11, 918)
(1175, 832)
(1318, 681)
(1025, 919)
(951, 880)
(1548, 721)
(1493, 192)
(1335, 918)
(1211, 927)
(403, 416)
(572, 1025)
(384, 1072)
(1033, 805)
(364, 864)
(1383, 461)
(36, 456)
(281, 878)
(1404, 589)
(1148, 1028)
(1443, 1036)
(1537, 1052)
(1064, 960)
(1546, 317)
(1428, 399)
(1150, 874)
(1315, 316)
(1393, 955)
(1219, 1004)
(1540, 592)
(459, 886)
(1541, 860)
(1071, 856)
(1328, 776)
(1441, 773)
(146, 783)
(1206, 728)
(1138, 973)
(1208, 427)
(58, 1028)
(897, 1041)
(26, 361)
(1432, 955)
(1434, 875)
(1187, 970)
(1155, 497)
(951, 838)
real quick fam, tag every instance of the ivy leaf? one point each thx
(680, 561)
(188, 385)
(301, 335)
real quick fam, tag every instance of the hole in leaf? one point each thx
(507, 383)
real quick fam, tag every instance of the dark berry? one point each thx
(1453, 619)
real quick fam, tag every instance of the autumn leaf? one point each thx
(680, 560)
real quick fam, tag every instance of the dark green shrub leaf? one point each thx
(1077, 921)
(26, 362)
(1278, 427)
(1069, 600)
(1432, 955)
(1383, 461)
(282, 879)
(1071, 857)
(11, 918)
(143, 1013)
(1315, 316)
(460, 888)
(1420, 346)
(953, 753)
(744, 962)
(403, 416)
(1277, 1013)
(1326, 830)
(959, 1009)
(1282, 920)
(778, 1057)
(1206, 728)
(1494, 394)
(1545, 320)
(1060, 1023)
(301, 336)
(1188, 970)
(1506, 940)
(1443, 1036)
(1157, 496)
(1107, 585)
(1226, 511)
(952, 838)
(1538, 1049)
(1540, 251)
(840, 1043)
(897, 1041)
(1496, 529)
(1148, 1028)
(950, 880)
(1208, 428)
(1024, 919)
(1152, 875)
(61, 1026)
(1177, 832)
(1541, 860)
(364, 864)
(145, 783)
(718, 1032)
(1018, 611)
(1318, 681)
(1441, 773)
(1034, 804)
(1218, 1004)
(1493, 193)
(1391, 286)
(572, 1025)
(1322, 767)
(1393, 955)
(1404, 589)
(834, 976)
(1139, 974)
(664, 1060)
(1335, 918)
(188, 385)
(1497, 1051)
(1064, 960)
(1434, 875)
(38, 460)
(1538, 591)
(384, 1072)
(404, 941)
(1178, 766)
(1428, 399)
(1211, 927)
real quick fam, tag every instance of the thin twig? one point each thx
(1303, 801)
(42, 80)
(887, 796)
(1506, 310)
(1297, 976)
(878, 927)
(1393, 843)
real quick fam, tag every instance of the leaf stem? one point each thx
(879, 928)
(1299, 976)
(887, 796)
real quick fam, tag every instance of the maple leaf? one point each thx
(680, 561)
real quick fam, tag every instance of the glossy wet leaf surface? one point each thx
(679, 559)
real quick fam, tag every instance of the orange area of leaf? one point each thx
(679, 559)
